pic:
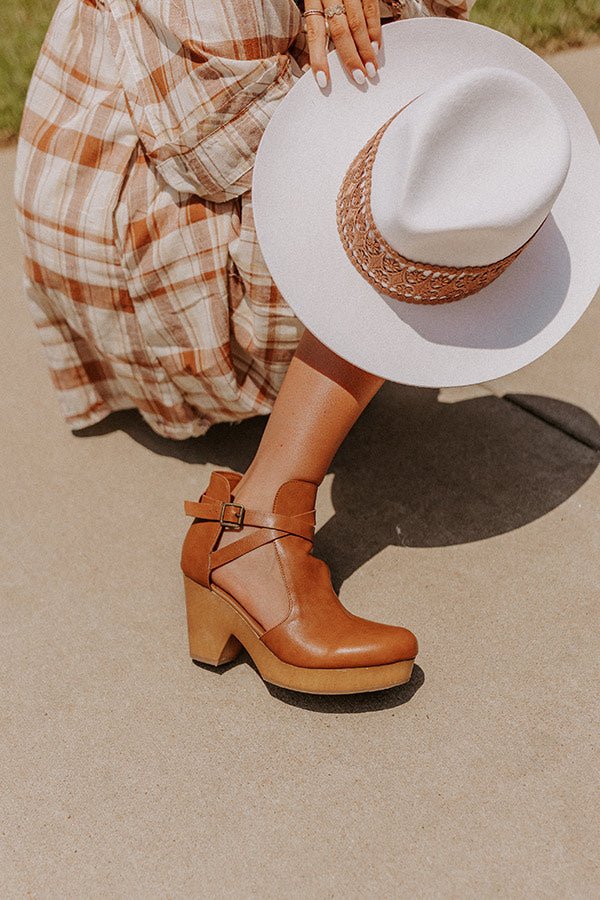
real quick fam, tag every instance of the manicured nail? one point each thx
(371, 70)
(375, 47)
(358, 76)
(321, 79)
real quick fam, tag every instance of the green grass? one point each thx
(543, 25)
(24, 24)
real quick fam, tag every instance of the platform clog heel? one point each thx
(318, 647)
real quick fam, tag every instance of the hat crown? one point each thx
(469, 170)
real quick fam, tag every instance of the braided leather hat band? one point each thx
(383, 267)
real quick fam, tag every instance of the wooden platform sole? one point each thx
(218, 632)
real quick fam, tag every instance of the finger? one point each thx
(373, 19)
(355, 16)
(345, 45)
(316, 38)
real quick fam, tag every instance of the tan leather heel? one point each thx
(318, 647)
(209, 633)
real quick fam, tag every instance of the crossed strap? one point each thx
(232, 515)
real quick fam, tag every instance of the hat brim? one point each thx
(303, 156)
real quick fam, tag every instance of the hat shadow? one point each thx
(417, 472)
(486, 320)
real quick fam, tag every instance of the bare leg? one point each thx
(319, 401)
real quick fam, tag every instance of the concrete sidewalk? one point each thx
(470, 516)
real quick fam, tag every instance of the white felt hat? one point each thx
(469, 162)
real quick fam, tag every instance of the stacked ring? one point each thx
(331, 11)
(313, 12)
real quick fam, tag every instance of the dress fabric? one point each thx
(133, 191)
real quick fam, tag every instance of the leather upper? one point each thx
(318, 632)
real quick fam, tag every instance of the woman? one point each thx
(149, 290)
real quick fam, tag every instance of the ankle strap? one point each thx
(232, 515)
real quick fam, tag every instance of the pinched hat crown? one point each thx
(450, 190)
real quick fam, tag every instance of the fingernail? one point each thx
(321, 79)
(358, 76)
(371, 70)
(375, 47)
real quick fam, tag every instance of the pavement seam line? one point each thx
(553, 423)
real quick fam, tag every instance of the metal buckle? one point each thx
(239, 513)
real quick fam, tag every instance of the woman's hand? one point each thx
(355, 29)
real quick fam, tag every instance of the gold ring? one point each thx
(313, 12)
(331, 11)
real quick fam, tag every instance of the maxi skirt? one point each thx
(133, 189)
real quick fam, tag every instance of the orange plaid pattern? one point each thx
(134, 168)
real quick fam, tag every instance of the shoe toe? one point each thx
(379, 645)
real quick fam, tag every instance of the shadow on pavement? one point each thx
(419, 473)
(415, 472)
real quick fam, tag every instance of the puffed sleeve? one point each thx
(201, 80)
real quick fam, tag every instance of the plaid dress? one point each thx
(134, 168)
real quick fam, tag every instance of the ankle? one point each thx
(255, 491)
